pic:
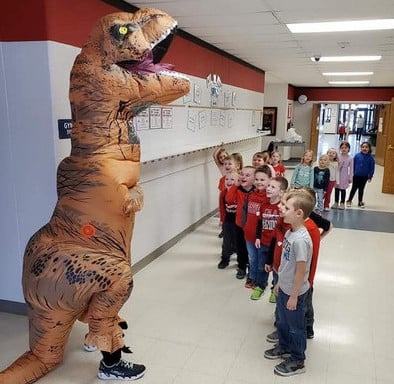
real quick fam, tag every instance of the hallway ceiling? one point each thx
(255, 31)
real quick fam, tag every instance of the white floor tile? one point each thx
(191, 323)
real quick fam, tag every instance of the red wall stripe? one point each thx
(346, 94)
(70, 22)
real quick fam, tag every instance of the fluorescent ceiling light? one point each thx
(347, 73)
(347, 58)
(348, 82)
(342, 26)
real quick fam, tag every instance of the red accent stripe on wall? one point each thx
(346, 94)
(290, 92)
(70, 22)
(195, 60)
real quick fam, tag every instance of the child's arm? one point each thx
(294, 176)
(270, 255)
(259, 228)
(312, 177)
(297, 284)
(215, 156)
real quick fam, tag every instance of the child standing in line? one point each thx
(312, 223)
(321, 174)
(262, 158)
(333, 167)
(269, 217)
(230, 164)
(238, 159)
(227, 210)
(241, 194)
(364, 168)
(345, 175)
(255, 201)
(219, 155)
(293, 285)
(303, 172)
(276, 163)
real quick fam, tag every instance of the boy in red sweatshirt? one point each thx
(264, 230)
(241, 195)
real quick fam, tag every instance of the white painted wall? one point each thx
(178, 191)
(27, 149)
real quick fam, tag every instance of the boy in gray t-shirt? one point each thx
(293, 285)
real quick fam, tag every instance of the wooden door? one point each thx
(314, 138)
(381, 135)
(388, 174)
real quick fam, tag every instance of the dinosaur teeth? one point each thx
(174, 74)
(164, 36)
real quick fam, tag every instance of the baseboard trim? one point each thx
(170, 243)
(17, 308)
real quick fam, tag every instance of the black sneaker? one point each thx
(310, 334)
(276, 353)
(123, 370)
(223, 264)
(289, 367)
(241, 273)
(272, 337)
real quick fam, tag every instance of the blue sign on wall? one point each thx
(64, 126)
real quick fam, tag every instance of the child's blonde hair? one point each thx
(335, 151)
(302, 200)
(277, 152)
(239, 163)
(324, 156)
(302, 158)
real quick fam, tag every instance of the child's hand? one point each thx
(292, 303)
(267, 268)
(257, 243)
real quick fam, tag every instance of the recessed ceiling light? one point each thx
(348, 82)
(347, 58)
(342, 26)
(347, 73)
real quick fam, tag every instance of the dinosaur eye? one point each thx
(123, 30)
(119, 32)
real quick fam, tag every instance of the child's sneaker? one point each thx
(257, 293)
(326, 209)
(289, 367)
(342, 206)
(249, 283)
(123, 370)
(348, 203)
(272, 298)
(276, 353)
(272, 337)
(361, 204)
(334, 206)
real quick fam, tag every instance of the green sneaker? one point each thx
(257, 293)
(272, 298)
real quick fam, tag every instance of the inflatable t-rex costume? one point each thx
(77, 267)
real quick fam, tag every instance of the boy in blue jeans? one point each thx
(292, 287)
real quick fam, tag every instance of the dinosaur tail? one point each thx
(25, 370)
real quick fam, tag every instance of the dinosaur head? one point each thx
(136, 42)
(118, 73)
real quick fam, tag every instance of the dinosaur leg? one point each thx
(49, 332)
(102, 315)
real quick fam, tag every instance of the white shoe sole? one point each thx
(103, 376)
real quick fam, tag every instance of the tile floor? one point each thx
(191, 323)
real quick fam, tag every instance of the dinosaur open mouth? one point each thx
(150, 62)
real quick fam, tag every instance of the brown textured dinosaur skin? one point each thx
(77, 266)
